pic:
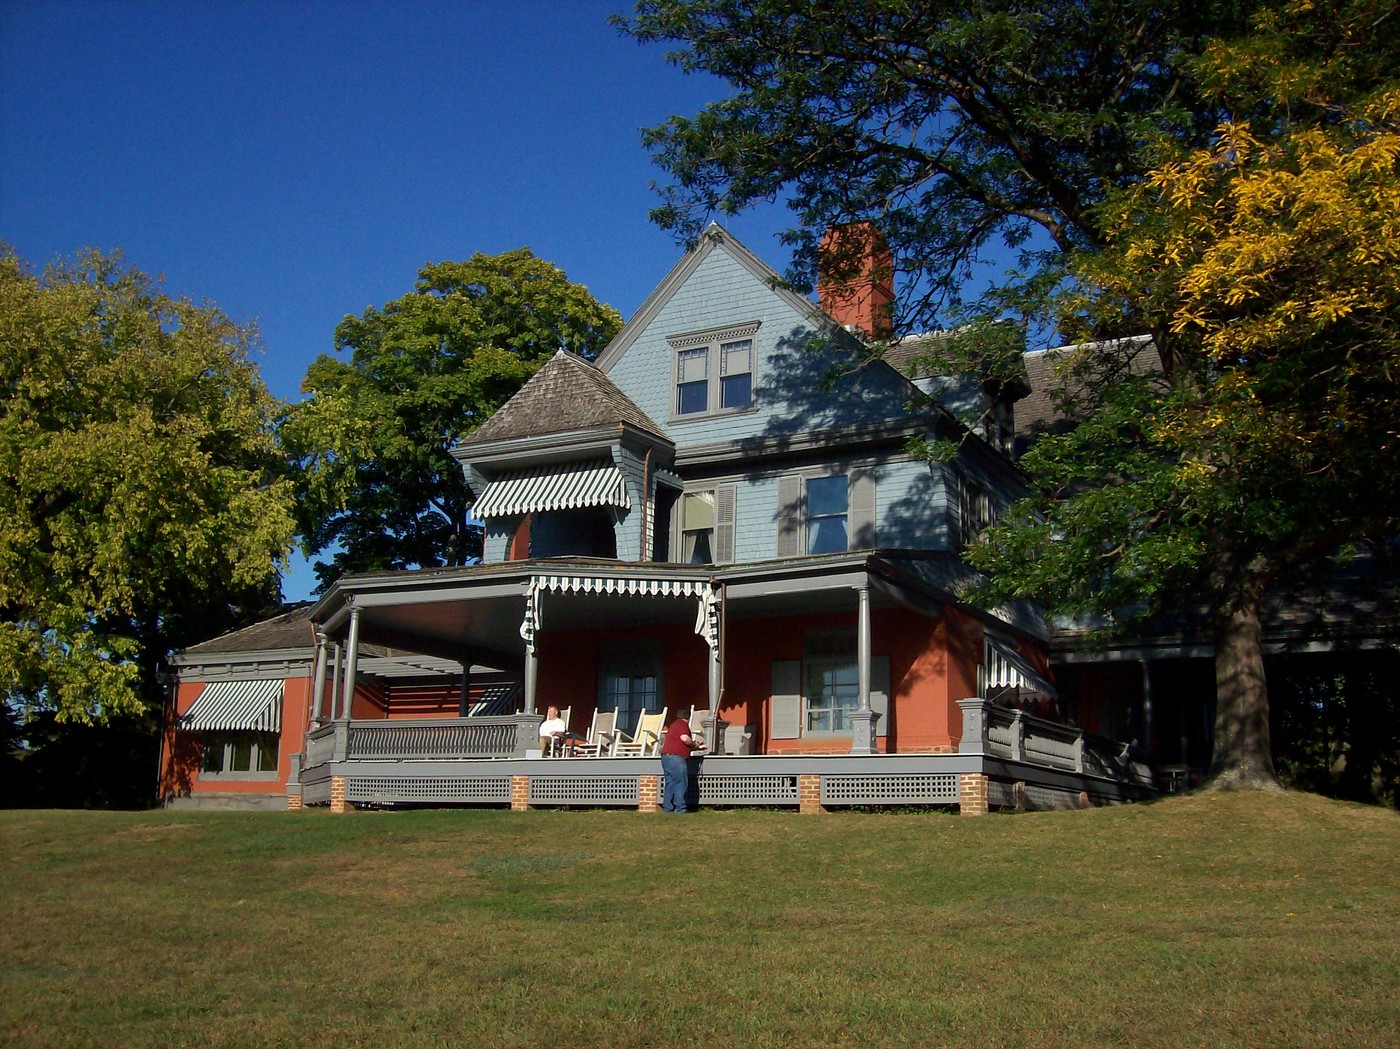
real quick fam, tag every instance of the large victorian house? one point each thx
(719, 518)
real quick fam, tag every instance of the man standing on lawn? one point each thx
(676, 748)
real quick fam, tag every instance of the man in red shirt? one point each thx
(676, 748)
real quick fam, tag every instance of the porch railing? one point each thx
(1017, 736)
(438, 739)
(320, 746)
(423, 739)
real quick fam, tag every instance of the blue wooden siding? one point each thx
(787, 391)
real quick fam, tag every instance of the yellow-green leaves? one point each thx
(140, 482)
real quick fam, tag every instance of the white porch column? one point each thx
(352, 659)
(528, 626)
(337, 654)
(863, 718)
(863, 644)
(318, 681)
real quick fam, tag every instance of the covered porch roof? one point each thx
(477, 612)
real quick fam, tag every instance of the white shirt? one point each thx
(553, 727)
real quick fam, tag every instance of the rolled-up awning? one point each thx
(236, 706)
(564, 487)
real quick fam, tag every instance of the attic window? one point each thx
(713, 371)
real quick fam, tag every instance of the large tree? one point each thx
(960, 129)
(141, 500)
(1219, 175)
(378, 484)
(1267, 265)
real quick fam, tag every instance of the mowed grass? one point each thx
(1210, 920)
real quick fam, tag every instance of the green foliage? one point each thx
(141, 506)
(1222, 176)
(373, 440)
(954, 127)
(1268, 269)
(1267, 266)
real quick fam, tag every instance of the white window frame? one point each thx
(716, 344)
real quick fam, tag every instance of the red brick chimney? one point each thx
(855, 279)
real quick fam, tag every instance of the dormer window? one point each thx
(713, 371)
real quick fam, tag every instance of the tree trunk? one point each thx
(1242, 759)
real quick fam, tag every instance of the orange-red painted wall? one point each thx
(933, 664)
(180, 752)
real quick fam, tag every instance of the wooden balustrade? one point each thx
(433, 740)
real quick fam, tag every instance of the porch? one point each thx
(1006, 760)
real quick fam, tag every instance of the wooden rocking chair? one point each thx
(646, 740)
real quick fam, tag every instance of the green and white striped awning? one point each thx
(236, 706)
(1004, 667)
(563, 487)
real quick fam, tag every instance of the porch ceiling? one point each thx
(482, 629)
(476, 613)
(486, 629)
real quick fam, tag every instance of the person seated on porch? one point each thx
(551, 729)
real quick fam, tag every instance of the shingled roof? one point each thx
(566, 395)
(1037, 414)
(289, 630)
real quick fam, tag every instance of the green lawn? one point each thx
(1208, 920)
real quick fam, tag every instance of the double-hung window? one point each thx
(833, 683)
(693, 381)
(714, 371)
(707, 526)
(828, 500)
(698, 528)
(815, 696)
(735, 374)
(826, 513)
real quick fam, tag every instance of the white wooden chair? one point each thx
(697, 721)
(646, 740)
(602, 734)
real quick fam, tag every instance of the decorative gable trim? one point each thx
(746, 330)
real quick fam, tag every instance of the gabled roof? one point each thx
(716, 237)
(567, 395)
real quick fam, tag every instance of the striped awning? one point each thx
(1004, 667)
(564, 487)
(236, 706)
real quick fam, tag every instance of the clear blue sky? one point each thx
(298, 161)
